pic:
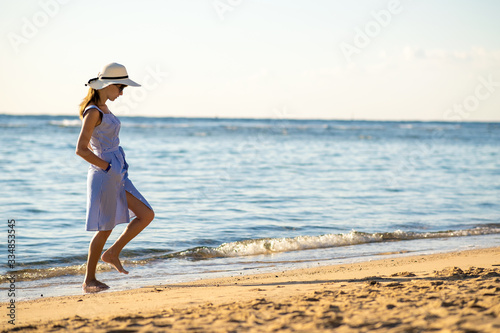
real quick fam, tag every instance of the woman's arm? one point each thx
(90, 121)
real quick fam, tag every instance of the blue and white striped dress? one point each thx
(106, 198)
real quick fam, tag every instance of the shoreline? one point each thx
(268, 301)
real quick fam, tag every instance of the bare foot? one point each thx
(114, 261)
(94, 286)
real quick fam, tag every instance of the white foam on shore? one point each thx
(274, 245)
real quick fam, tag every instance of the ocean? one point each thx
(242, 196)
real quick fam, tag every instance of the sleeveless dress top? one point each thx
(106, 197)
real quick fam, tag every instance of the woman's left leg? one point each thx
(144, 216)
(90, 283)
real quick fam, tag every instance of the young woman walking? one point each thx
(111, 197)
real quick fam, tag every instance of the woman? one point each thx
(110, 193)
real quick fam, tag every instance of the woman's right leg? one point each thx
(144, 216)
(95, 249)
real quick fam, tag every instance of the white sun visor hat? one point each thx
(111, 74)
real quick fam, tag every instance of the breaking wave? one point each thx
(274, 245)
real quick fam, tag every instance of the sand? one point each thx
(449, 292)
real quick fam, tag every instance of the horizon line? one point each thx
(265, 118)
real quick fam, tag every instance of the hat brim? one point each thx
(101, 84)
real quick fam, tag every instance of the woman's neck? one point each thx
(102, 105)
(102, 99)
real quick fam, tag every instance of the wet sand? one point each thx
(450, 292)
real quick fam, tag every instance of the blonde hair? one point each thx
(92, 97)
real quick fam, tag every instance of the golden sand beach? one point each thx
(449, 292)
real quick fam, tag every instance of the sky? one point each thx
(428, 60)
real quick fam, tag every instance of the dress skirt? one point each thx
(106, 193)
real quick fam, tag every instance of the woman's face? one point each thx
(114, 91)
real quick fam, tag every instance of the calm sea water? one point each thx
(236, 196)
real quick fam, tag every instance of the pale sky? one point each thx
(363, 59)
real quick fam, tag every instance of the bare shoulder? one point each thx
(92, 116)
